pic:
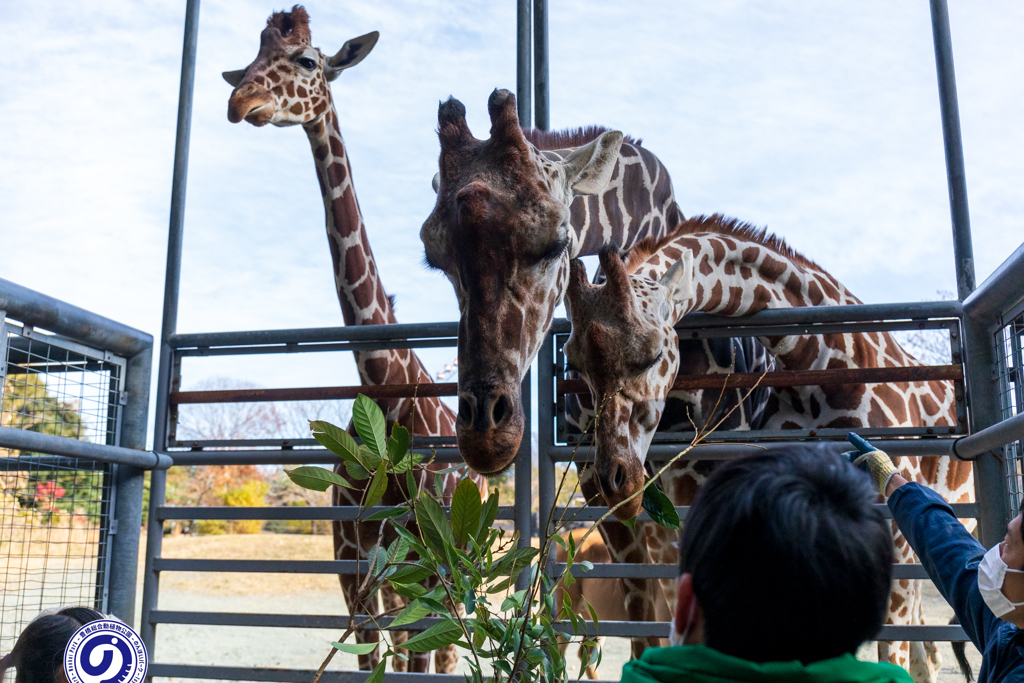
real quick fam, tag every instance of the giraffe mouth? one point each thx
(260, 115)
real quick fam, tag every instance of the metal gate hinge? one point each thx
(113, 528)
(123, 398)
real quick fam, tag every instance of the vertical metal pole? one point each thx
(524, 27)
(540, 73)
(172, 282)
(524, 480)
(963, 249)
(546, 472)
(129, 494)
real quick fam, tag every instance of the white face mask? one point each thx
(675, 638)
(991, 572)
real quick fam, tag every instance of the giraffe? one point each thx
(623, 343)
(288, 84)
(503, 229)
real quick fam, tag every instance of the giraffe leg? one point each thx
(925, 659)
(901, 608)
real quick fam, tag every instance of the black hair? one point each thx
(790, 559)
(39, 652)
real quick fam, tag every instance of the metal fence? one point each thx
(74, 390)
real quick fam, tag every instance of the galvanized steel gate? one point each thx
(985, 332)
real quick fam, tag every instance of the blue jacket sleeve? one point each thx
(949, 554)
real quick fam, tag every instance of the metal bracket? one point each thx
(112, 531)
(122, 398)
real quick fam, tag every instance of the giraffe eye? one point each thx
(306, 63)
(647, 365)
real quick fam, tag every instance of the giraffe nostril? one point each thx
(500, 409)
(465, 410)
(618, 477)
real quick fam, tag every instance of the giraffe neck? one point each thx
(356, 277)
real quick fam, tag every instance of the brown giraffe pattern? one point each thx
(511, 212)
(288, 84)
(623, 339)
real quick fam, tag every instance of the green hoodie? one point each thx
(701, 664)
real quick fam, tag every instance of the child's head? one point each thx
(39, 652)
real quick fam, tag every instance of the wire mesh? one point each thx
(1011, 384)
(54, 511)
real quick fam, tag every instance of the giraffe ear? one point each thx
(589, 168)
(678, 279)
(350, 54)
(234, 77)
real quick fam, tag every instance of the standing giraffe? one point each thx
(503, 230)
(287, 84)
(624, 344)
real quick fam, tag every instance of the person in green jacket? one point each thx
(785, 570)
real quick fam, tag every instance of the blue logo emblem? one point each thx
(105, 651)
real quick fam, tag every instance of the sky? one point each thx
(818, 120)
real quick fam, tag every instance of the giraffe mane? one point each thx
(717, 224)
(570, 137)
(293, 25)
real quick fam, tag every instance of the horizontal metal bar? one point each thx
(920, 310)
(291, 443)
(1001, 291)
(660, 452)
(39, 310)
(402, 331)
(429, 389)
(671, 571)
(268, 675)
(796, 378)
(36, 442)
(164, 564)
(592, 513)
(769, 435)
(288, 513)
(29, 463)
(991, 438)
(334, 622)
(742, 330)
(310, 456)
(326, 347)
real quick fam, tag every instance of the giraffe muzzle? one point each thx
(489, 427)
(251, 103)
(619, 479)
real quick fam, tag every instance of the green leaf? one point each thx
(437, 530)
(378, 556)
(398, 444)
(368, 458)
(355, 648)
(335, 439)
(410, 574)
(659, 507)
(369, 422)
(410, 481)
(414, 612)
(435, 637)
(356, 471)
(316, 478)
(453, 468)
(389, 513)
(408, 590)
(465, 511)
(629, 523)
(593, 613)
(377, 675)
(377, 488)
(514, 601)
(469, 600)
(488, 514)
(398, 551)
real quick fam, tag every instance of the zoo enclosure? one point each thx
(986, 327)
(74, 400)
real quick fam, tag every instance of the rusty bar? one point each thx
(315, 393)
(797, 378)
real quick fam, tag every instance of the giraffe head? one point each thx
(625, 347)
(287, 83)
(500, 232)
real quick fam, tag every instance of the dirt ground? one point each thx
(320, 594)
